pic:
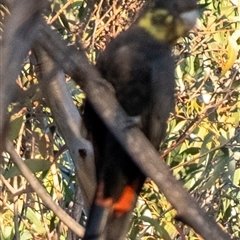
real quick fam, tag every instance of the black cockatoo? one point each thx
(139, 65)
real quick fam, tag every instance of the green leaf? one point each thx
(157, 227)
(191, 151)
(15, 126)
(77, 4)
(232, 55)
(236, 177)
(179, 126)
(6, 232)
(207, 142)
(26, 235)
(34, 218)
(218, 170)
(35, 165)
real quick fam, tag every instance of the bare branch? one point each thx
(132, 140)
(68, 119)
(41, 192)
(20, 31)
(23, 30)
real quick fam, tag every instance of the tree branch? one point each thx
(20, 30)
(132, 140)
(42, 193)
(53, 84)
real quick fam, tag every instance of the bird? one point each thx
(140, 66)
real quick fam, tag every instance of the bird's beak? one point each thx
(189, 18)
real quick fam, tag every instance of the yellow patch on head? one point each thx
(168, 19)
(163, 26)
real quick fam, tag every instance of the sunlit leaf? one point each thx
(236, 177)
(35, 165)
(163, 233)
(35, 217)
(232, 52)
(15, 126)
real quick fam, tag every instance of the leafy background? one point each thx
(202, 143)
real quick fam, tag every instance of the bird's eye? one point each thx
(158, 18)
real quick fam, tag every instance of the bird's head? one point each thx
(167, 20)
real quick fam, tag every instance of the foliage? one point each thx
(201, 145)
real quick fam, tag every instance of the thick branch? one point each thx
(53, 85)
(19, 32)
(132, 140)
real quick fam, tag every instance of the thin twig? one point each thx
(61, 10)
(38, 188)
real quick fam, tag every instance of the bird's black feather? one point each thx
(140, 67)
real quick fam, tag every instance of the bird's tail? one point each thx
(109, 219)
